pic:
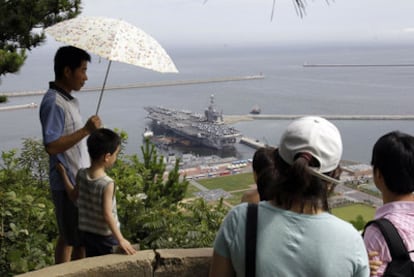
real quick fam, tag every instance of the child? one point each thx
(95, 196)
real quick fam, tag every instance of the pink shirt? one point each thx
(401, 214)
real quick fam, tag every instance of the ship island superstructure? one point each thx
(208, 130)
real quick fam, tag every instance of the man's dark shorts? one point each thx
(67, 218)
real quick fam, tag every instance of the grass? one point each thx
(350, 212)
(244, 180)
(190, 191)
(235, 198)
(229, 183)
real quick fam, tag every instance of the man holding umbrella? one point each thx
(63, 136)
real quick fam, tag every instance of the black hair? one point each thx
(263, 165)
(296, 184)
(101, 142)
(393, 156)
(265, 180)
(262, 158)
(69, 56)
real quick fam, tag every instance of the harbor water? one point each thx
(287, 88)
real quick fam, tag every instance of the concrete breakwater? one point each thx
(17, 107)
(231, 119)
(355, 65)
(148, 84)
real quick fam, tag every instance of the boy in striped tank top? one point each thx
(94, 194)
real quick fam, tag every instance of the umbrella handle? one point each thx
(103, 87)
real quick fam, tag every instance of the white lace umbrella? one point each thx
(115, 40)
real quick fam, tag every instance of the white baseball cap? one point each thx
(316, 136)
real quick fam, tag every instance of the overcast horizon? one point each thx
(247, 22)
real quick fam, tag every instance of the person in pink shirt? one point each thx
(393, 170)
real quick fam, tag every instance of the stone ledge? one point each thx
(147, 263)
(183, 262)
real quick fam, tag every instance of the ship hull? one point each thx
(218, 143)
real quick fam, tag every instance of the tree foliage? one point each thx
(153, 194)
(359, 222)
(187, 225)
(159, 188)
(150, 207)
(21, 27)
(27, 226)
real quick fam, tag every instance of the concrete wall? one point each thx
(147, 263)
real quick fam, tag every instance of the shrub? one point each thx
(149, 207)
(27, 228)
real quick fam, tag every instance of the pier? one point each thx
(252, 142)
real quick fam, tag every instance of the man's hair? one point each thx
(101, 142)
(393, 156)
(69, 56)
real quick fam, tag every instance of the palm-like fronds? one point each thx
(298, 4)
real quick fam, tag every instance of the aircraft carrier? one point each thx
(207, 130)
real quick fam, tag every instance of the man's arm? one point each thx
(72, 191)
(65, 142)
(109, 218)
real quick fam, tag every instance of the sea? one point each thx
(287, 88)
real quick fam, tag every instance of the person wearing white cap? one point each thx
(295, 233)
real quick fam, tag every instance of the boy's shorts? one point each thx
(67, 218)
(97, 245)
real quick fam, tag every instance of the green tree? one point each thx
(187, 225)
(27, 226)
(21, 27)
(151, 210)
(34, 159)
(157, 187)
(359, 222)
(144, 188)
(129, 194)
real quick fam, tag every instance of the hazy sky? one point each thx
(229, 22)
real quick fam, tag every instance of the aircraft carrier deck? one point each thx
(208, 130)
